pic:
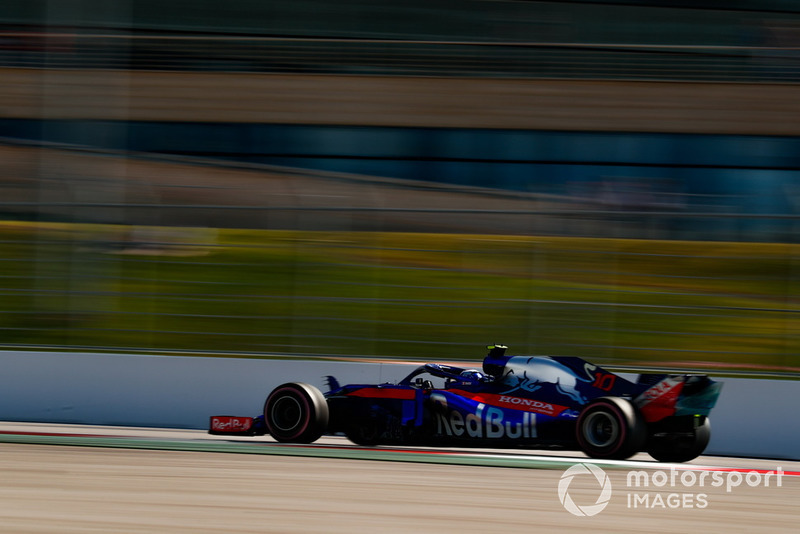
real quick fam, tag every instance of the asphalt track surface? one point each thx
(58, 478)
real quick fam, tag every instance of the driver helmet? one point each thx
(472, 375)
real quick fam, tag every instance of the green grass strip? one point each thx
(343, 453)
(262, 293)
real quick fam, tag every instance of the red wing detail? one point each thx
(227, 424)
(659, 401)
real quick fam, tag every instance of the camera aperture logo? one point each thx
(590, 509)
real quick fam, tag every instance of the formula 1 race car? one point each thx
(514, 401)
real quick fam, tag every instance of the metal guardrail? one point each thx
(400, 57)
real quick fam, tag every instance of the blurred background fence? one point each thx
(193, 257)
(615, 180)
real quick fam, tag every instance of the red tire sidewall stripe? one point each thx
(303, 398)
(622, 421)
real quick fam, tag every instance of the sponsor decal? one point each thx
(484, 422)
(227, 423)
(665, 388)
(515, 403)
(659, 401)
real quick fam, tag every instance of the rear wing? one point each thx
(676, 395)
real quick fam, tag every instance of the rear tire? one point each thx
(296, 413)
(680, 448)
(611, 428)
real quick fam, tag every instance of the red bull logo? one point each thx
(229, 424)
(485, 422)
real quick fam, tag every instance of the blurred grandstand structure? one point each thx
(649, 40)
(125, 127)
(403, 57)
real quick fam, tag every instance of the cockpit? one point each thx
(445, 376)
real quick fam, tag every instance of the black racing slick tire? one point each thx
(680, 447)
(296, 413)
(611, 428)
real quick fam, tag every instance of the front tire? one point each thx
(296, 413)
(611, 428)
(680, 447)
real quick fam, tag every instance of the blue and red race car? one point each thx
(513, 401)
